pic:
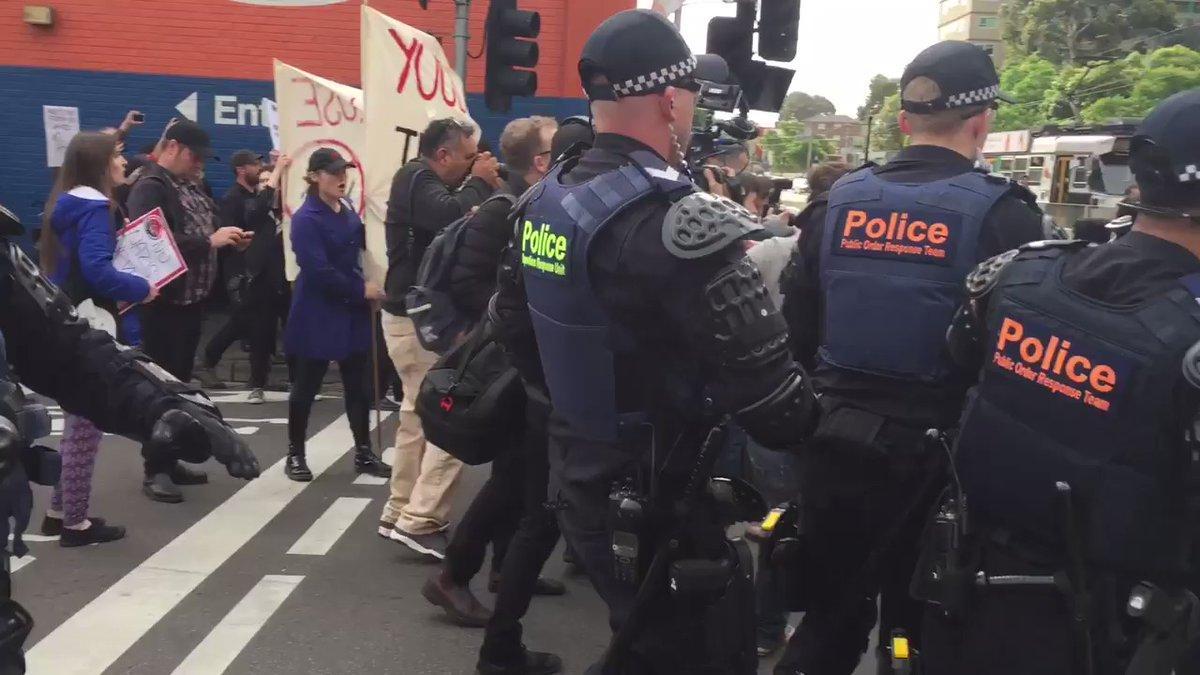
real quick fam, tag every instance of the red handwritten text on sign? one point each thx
(413, 71)
(327, 108)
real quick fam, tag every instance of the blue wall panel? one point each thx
(104, 98)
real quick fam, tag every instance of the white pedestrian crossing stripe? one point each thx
(220, 647)
(116, 619)
(330, 527)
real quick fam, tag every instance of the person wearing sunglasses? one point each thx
(877, 284)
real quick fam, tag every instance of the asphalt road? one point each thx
(264, 577)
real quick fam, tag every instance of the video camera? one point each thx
(778, 185)
(712, 137)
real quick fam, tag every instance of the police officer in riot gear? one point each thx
(1077, 453)
(875, 288)
(651, 324)
(54, 352)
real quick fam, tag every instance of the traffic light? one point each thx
(778, 29)
(511, 53)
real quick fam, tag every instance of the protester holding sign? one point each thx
(77, 254)
(171, 327)
(331, 313)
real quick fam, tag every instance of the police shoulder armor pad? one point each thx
(983, 278)
(701, 224)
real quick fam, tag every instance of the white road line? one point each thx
(127, 610)
(220, 647)
(330, 527)
(257, 420)
(18, 563)
(368, 479)
(35, 537)
(246, 431)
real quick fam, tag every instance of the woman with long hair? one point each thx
(77, 253)
(330, 318)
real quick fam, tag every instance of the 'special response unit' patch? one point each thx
(545, 251)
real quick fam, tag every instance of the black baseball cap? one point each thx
(1165, 152)
(244, 157)
(572, 131)
(192, 135)
(328, 160)
(640, 52)
(964, 75)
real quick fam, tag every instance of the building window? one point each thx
(820, 127)
(989, 21)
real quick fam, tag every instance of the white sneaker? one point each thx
(256, 397)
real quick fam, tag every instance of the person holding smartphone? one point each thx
(171, 327)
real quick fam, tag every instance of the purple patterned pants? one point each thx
(80, 443)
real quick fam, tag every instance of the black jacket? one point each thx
(156, 189)
(473, 274)
(264, 257)
(420, 205)
(1013, 221)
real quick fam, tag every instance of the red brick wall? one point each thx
(227, 39)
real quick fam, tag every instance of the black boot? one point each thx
(366, 461)
(295, 467)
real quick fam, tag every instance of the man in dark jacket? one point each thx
(428, 194)
(496, 510)
(246, 165)
(171, 325)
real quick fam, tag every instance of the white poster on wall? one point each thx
(61, 123)
(407, 82)
(314, 112)
(271, 111)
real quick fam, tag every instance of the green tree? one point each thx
(880, 88)
(885, 130)
(792, 150)
(1026, 80)
(1074, 31)
(1161, 73)
(800, 106)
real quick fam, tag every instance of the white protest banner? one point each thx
(313, 113)
(272, 113)
(61, 123)
(408, 82)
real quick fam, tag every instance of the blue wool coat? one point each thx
(330, 319)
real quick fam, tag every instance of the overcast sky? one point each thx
(843, 43)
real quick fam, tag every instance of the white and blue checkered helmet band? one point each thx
(661, 77)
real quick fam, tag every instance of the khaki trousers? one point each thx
(423, 475)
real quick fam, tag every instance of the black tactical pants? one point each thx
(677, 638)
(849, 507)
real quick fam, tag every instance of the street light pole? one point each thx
(462, 33)
(867, 144)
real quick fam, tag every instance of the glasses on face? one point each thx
(689, 84)
(991, 110)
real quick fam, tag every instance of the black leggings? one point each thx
(306, 382)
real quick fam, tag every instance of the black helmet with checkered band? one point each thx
(1164, 156)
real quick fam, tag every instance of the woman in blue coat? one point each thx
(77, 253)
(331, 313)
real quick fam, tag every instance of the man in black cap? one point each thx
(1078, 449)
(246, 166)
(650, 325)
(171, 324)
(877, 285)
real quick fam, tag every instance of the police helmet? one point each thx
(1165, 158)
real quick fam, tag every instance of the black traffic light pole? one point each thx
(462, 34)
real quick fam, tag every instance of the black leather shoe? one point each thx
(297, 469)
(181, 475)
(52, 527)
(160, 489)
(97, 532)
(531, 663)
(366, 461)
(459, 602)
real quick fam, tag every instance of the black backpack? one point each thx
(437, 320)
(472, 398)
